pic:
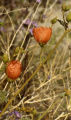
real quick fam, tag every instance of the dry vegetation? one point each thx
(43, 91)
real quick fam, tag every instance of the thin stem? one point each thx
(41, 52)
(15, 10)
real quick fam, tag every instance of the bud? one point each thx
(5, 58)
(17, 49)
(68, 17)
(66, 7)
(54, 20)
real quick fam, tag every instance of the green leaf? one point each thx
(68, 17)
(3, 97)
(66, 7)
(5, 58)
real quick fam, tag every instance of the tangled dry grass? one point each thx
(43, 91)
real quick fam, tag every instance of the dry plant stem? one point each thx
(70, 61)
(60, 57)
(17, 89)
(26, 70)
(21, 101)
(50, 107)
(3, 77)
(20, 27)
(47, 3)
(12, 28)
(9, 18)
(1, 39)
(8, 53)
(51, 7)
(15, 10)
(59, 104)
(38, 68)
(27, 31)
(66, 117)
(53, 4)
(62, 115)
(63, 56)
(1, 65)
(18, 31)
(39, 101)
(32, 98)
(26, 36)
(29, 101)
(5, 86)
(26, 49)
